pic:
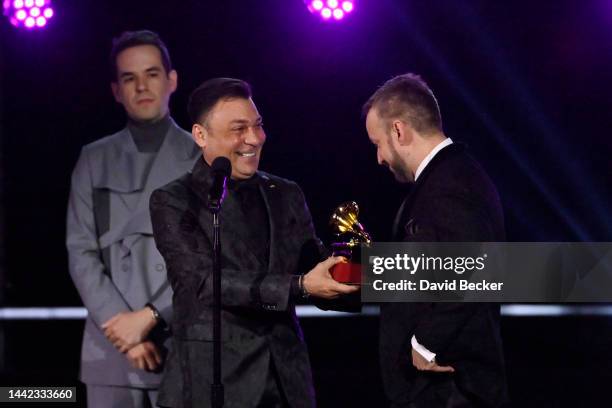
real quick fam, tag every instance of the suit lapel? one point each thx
(123, 171)
(401, 220)
(398, 217)
(272, 201)
(173, 160)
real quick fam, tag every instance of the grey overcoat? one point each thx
(113, 260)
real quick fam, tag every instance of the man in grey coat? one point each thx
(113, 261)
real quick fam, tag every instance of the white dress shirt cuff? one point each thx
(427, 355)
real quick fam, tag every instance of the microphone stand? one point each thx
(216, 389)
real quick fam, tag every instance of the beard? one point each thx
(400, 171)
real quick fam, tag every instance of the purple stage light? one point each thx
(338, 9)
(28, 13)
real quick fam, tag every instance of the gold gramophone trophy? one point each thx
(351, 235)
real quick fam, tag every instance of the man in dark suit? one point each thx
(436, 354)
(114, 263)
(265, 227)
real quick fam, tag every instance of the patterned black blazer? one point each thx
(258, 316)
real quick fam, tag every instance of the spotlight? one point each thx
(30, 14)
(326, 9)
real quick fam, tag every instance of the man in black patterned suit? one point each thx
(436, 354)
(265, 227)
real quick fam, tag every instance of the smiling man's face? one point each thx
(234, 129)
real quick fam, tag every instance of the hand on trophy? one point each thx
(319, 282)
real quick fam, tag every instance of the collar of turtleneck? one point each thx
(149, 136)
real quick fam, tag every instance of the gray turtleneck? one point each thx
(149, 137)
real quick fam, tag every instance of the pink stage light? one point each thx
(30, 14)
(326, 9)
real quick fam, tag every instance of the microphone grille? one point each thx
(221, 165)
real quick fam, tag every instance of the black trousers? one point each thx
(440, 392)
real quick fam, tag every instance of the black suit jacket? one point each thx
(258, 317)
(452, 200)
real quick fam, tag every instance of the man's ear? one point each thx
(199, 135)
(173, 77)
(115, 91)
(402, 132)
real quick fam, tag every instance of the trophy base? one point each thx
(349, 273)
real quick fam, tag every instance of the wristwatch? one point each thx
(154, 312)
(303, 292)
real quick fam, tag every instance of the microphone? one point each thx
(221, 169)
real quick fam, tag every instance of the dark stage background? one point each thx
(526, 84)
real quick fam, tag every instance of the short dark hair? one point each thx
(129, 39)
(206, 96)
(407, 96)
